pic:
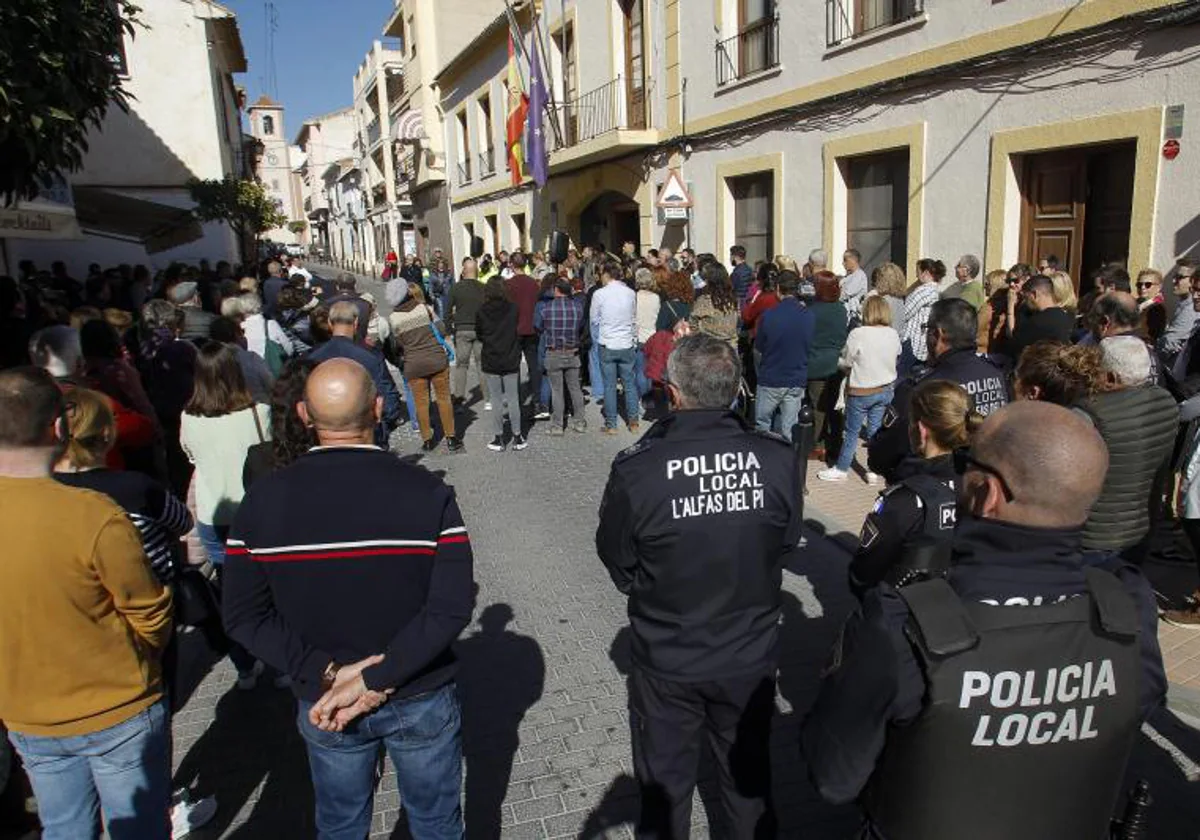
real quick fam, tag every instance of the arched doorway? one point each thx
(611, 219)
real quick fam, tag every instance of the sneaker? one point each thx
(487, 406)
(282, 681)
(541, 413)
(556, 431)
(873, 479)
(497, 444)
(455, 444)
(832, 474)
(519, 442)
(1187, 618)
(634, 427)
(429, 445)
(188, 815)
(579, 426)
(249, 680)
(609, 430)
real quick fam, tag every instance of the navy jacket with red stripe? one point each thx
(346, 553)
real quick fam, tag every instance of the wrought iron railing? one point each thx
(754, 49)
(594, 113)
(487, 163)
(373, 132)
(848, 19)
(464, 173)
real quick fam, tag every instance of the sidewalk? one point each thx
(842, 507)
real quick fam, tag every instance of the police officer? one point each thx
(950, 335)
(694, 525)
(1003, 700)
(906, 536)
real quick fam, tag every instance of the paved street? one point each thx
(542, 680)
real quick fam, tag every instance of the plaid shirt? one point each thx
(559, 321)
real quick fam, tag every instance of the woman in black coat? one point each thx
(496, 329)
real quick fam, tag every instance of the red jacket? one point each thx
(753, 310)
(523, 290)
(657, 350)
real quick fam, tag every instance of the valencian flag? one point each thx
(538, 162)
(518, 107)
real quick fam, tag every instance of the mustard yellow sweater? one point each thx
(83, 621)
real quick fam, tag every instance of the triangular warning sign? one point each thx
(673, 192)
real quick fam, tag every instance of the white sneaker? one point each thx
(247, 682)
(187, 816)
(873, 479)
(832, 474)
(487, 406)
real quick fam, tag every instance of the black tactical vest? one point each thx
(926, 553)
(1030, 715)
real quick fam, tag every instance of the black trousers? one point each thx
(529, 349)
(671, 720)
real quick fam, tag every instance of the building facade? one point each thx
(277, 167)
(325, 140)
(905, 129)
(130, 197)
(377, 82)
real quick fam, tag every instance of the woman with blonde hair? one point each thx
(1064, 374)
(887, 281)
(1063, 290)
(785, 263)
(906, 537)
(869, 358)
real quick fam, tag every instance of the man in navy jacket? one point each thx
(783, 341)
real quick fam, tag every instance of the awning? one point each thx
(409, 126)
(158, 227)
(38, 220)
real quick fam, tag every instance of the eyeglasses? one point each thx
(1145, 285)
(964, 461)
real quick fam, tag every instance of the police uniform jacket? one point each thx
(875, 681)
(984, 379)
(913, 514)
(694, 525)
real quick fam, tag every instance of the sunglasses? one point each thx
(1146, 285)
(964, 461)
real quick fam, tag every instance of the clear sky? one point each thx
(318, 46)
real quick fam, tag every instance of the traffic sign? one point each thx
(674, 212)
(1171, 149)
(674, 192)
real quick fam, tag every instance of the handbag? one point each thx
(440, 338)
(196, 601)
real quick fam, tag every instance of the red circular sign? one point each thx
(1171, 149)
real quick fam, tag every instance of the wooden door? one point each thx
(635, 65)
(1054, 208)
(1109, 205)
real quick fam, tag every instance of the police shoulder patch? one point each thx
(870, 533)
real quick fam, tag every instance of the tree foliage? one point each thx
(298, 226)
(243, 205)
(58, 76)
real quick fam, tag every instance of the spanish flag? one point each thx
(518, 107)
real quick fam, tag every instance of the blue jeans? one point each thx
(619, 364)
(423, 737)
(595, 372)
(212, 537)
(868, 408)
(639, 373)
(543, 398)
(768, 399)
(410, 402)
(122, 772)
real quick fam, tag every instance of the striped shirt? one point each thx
(916, 313)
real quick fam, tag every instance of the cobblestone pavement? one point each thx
(542, 683)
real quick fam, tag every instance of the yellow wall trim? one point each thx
(1144, 126)
(911, 137)
(747, 166)
(1085, 15)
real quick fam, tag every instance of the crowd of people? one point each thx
(228, 399)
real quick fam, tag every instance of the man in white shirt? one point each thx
(854, 285)
(614, 319)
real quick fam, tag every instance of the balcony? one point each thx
(372, 133)
(607, 122)
(487, 163)
(751, 51)
(846, 20)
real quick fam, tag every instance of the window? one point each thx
(564, 40)
(268, 124)
(487, 139)
(755, 47)
(877, 208)
(464, 148)
(846, 19)
(469, 236)
(518, 225)
(754, 214)
(493, 233)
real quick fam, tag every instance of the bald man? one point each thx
(351, 572)
(1003, 700)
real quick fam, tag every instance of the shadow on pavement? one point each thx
(502, 674)
(252, 741)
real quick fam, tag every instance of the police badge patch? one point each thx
(870, 533)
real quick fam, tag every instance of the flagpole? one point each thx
(514, 32)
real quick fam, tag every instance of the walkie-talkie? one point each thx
(1135, 822)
